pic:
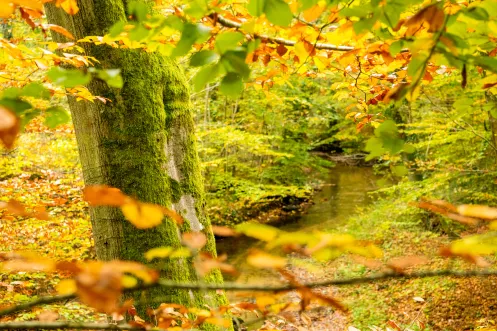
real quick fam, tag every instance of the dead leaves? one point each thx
(140, 214)
(16, 208)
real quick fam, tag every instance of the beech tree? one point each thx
(140, 141)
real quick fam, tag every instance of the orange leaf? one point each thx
(174, 215)
(195, 240)
(70, 7)
(103, 195)
(58, 29)
(314, 12)
(223, 231)
(9, 127)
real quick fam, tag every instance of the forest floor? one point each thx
(43, 171)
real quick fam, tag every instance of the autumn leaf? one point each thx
(262, 259)
(173, 215)
(223, 231)
(194, 240)
(314, 12)
(479, 211)
(59, 30)
(103, 195)
(432, 15)
(9, 127)
(143, 215)
(6, 10)
(70, 7)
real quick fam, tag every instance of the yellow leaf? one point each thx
(143, 215)
(223, 322)
(258, 231)
(264, 301)
(314, 12)
(261, 259)
(70, 7)
(159, 252)
(478, 211)
(301, 52)
(6, 10)
(66, 286)
(128, 281)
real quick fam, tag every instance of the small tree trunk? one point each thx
(141, 142)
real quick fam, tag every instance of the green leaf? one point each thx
(204, 76)
(191, 33)
(400, 170)
(477, 13)
(68, 77)
(11, 93)
(138, 33)
(116, 29)
(486, 62)
(16, 105)
(231, 85)
(396, 47)
(203, 57)
(234, 61)
(138, 9)
(56, 116)
(278, 12)
(112, 77)
(375, 148)
(27, 116)
(36, 90)
(228, 41)
(415, 66)
(256, 7)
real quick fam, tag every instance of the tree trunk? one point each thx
(141, 142)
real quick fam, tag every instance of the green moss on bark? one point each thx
(124, 143)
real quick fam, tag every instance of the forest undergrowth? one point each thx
(46, 163)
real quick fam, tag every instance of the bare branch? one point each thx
(231, 24)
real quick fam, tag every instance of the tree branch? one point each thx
(267, 288)
(69, 325)
(231, 24)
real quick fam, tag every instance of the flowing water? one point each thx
(345, 189)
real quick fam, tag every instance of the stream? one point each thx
(345, 188)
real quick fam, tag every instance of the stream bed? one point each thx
(345, 188)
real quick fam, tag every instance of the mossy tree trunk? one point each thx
(141, 142)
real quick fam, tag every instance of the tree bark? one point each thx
(141, 142)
